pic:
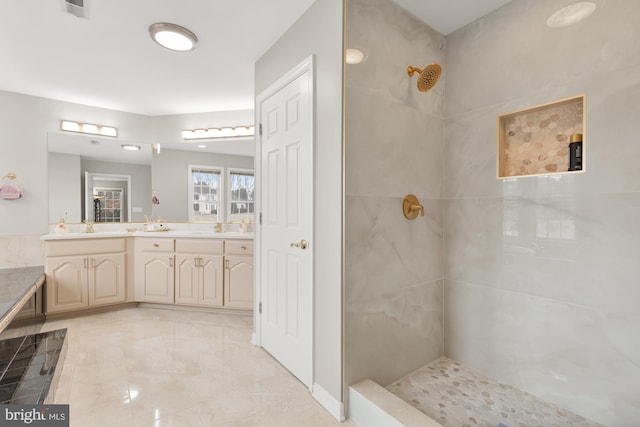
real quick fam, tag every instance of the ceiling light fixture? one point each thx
(202, 146)
(70, 126)
(353, 56)
(130, 147)
(227, 132)
(173, 36)
(571, 14)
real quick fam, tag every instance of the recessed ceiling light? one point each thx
(353, 56)
(173, 36)
(571, 14)
(130, 147)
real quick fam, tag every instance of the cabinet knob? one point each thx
(244, 248)
(156, 245)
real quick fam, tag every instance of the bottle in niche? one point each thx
(575, 152)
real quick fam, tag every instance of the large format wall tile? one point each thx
(392, 40)
(392, 336)
(541, 272)
(610, 158)
(392, 149)
(394, 146)
(577, 249)
(579, 358)
(512, 52)
(24, 250)
(385, 251)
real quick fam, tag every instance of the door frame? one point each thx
(307, 65)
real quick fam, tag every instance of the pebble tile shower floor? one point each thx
(456, 396)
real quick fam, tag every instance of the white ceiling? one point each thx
(449, 15)
(108, 59)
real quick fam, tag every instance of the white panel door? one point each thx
(287, 224)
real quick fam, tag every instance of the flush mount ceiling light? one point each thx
(228, 132)
(571, 14)
(353, 56)
(173, 36)
(70, 126)
(130, 147)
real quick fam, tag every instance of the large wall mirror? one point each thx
(98, 180)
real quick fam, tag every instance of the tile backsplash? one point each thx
(21, 251)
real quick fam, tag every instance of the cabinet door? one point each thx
(211, 287)
(238, 281)
(154, 278)
(187, 279)
(66, 285)
(106, 279)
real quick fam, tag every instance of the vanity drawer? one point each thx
(84, 246)
(239, 247)
(154, 245)
(200, 246)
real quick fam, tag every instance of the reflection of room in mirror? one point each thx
(164, 176)
(107, 197)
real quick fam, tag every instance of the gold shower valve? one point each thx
(411, 206)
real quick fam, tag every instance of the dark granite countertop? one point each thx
(15, 283)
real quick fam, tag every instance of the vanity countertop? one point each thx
(17, 285)
(155, 234)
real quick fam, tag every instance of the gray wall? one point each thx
(64, 181)
(555, 314)
(170, 171)
(394, 143)
(24, 124)
(140, 184)
(319, 32)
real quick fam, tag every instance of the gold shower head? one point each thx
(428, 76)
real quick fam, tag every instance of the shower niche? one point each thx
(538, 140)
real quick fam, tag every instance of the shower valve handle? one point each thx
(411, 207)
(419, 208)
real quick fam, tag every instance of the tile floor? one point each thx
(154, 367)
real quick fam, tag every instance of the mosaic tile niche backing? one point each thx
(537, 141)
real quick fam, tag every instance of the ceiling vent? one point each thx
(75, 7)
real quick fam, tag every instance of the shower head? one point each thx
(429, 76)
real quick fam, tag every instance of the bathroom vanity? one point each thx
(196, 269)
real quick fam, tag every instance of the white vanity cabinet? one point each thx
(84, 273)
(238, 274)
(154, 270)
(199, 272)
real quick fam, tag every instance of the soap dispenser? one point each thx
(61, 228)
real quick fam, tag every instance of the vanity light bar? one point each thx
(228, 132)
(89, 128)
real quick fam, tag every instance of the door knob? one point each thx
(302, 244)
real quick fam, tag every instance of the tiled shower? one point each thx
(532, 281)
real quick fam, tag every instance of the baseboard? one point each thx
(330, 403)
(254, 339)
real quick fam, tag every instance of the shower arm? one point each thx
(411, 70)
